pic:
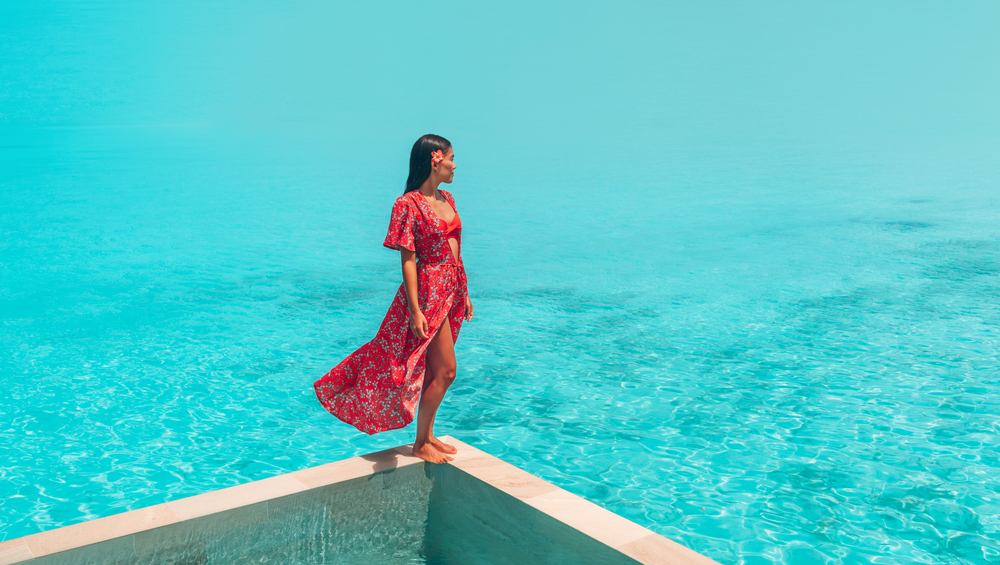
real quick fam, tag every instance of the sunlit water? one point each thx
(735, 271)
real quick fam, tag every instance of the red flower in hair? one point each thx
(437, 157)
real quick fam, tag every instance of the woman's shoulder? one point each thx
(405, 200)
(447, 195)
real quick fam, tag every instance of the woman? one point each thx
(412, 358)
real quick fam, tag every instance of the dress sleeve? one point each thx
(402, 227)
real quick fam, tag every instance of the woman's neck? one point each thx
(429, 188)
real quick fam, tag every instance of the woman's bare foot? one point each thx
(428, 453)
(441, 446)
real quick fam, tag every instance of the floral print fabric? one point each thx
(377, 387)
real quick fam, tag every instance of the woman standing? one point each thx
(412, 358)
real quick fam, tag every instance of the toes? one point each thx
(430, 454)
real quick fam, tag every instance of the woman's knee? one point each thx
(446, 372)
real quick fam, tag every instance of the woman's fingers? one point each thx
(419, 327)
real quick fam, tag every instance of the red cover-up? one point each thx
(377, 387)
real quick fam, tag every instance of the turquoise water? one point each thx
(735, 267)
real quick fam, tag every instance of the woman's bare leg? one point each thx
(439, 373)
(445, 360)
(431, 438)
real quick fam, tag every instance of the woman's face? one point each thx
(445, 170)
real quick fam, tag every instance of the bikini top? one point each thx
(453, 226)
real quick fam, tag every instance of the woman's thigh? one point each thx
(440, 353)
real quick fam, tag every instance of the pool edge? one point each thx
(604, 526)
(617, 532)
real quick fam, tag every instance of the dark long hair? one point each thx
(420, 159)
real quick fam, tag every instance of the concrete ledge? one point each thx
(635, 541)
(100, 529)
(242, 515)
(14, 551)
(235, 497)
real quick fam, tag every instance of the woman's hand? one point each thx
(419, 325)
(468, 308)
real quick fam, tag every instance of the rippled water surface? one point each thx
(735, 268)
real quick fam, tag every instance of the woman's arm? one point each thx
(468, 300)
(418, 323)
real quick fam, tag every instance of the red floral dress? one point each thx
(377, 387)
